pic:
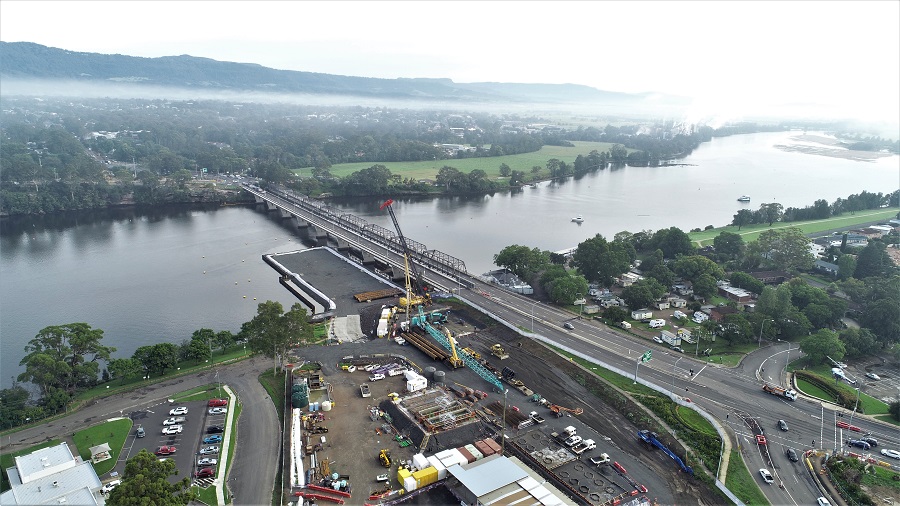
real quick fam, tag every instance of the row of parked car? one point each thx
(207, 465)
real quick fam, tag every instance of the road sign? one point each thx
(646, 356)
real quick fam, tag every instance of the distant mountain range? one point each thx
(27, 61)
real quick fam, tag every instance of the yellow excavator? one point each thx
(499, 352)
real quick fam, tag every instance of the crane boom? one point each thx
(419, 284)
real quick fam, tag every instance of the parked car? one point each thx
(215, 429)
(676, 348)
(206, 472)
(370, 367)
(872, 375)
(165, 450)
(376, 377)
(823, 502)
(215, 403)
(656, 339)
(140, 432)
(172, 429)
(218, 411)
(174, 420)
(572, 441)
(782, 425)
(894, 454)
(859, 444)
(212, 439)
(107, 488)
(181, 410)
(209, 450)
(766, 476)
(792, 454)
(207, 462)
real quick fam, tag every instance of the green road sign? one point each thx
(646, 356)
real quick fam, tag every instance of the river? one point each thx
(152, 276)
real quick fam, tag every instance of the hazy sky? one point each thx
(735, 56)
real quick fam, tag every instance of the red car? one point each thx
(206, 472)
(216, 403)
(165, 450)
(760, 439)
(843, 425)
(854, 428)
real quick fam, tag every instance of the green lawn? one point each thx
(491, 165)
(741, 483)
(202, 393)
(751, 232)
(113, 432)
(7, 460)
(868, 404)
(274, 385)
(693, 420)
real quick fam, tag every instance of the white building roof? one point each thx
(51, 476)
(488, 474)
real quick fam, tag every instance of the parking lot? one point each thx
(186, 443)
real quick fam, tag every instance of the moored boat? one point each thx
(578, 219)
(743, 198)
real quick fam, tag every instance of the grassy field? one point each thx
(7, 459)
(113, 432)
(693, 420)
(274, 385)
(751, 232)
(867, 404)
(524, 162)
(742, 483)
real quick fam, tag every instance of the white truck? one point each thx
(587, 444)
(569, 431)
(602, 459)
(364, 390)
(536, 417)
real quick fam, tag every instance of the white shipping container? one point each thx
(436, 463)
(409, 483)
(474, 451)
(443, 454)
(420, 461)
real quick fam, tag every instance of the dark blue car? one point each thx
(212, 439)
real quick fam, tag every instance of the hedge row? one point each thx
(841, 397)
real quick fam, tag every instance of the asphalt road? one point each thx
(258, 438)
(732, 395)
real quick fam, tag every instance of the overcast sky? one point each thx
(732, 55)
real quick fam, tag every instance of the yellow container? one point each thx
(425, 476)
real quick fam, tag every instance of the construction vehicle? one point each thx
(384, 456)
(559, 411)
(602, 459)
(536, 417)
(499, 352)
(781, 392)
(453, 360)
(364, 390)
(474, 354)
(416, 290)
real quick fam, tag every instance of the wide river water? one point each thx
(152, 276)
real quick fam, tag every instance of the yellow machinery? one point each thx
(453, 360)
(499, 352)
(416, 291)
(473, 353)
(384, 457)
(411, 299)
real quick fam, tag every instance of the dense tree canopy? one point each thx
(64, 357)
(272, 331)
(145, 482)
(601, 261)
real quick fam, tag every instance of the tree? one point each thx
(693, 266)
(565, 289)
(157, 358)
(225, 339)
(600, 260)
(873, 260)
(124, 368)
(735, 329)
(705, 286)
(146, 482)
(643, 293)
(823, 343)
(846, 266)
(883, 319)
(615, 314)
(771, 212)
(672, 241)
(521, 260)
(747, 282)
(504, 170)
(64, 357)
(181, 176)
(786, 249)
(729, 244)
(200, 346)
(743, 217)
(858, 342)
(274, 331)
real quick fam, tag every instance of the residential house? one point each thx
(718, 313)
(628, 279)
(734, 293)
(771, 277)
(641, 314)
(683, 289)
(664, 304)
(677, 302)
(826, 267)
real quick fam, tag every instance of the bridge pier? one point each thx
(285, 213)
(258, 199)
(270, 206)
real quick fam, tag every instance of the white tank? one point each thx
(326, 405)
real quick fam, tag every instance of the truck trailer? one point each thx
(781, 392)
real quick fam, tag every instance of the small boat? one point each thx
(578, 219)
(743, 198)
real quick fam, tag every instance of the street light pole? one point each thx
(762, 324)
(532, 316)
(854, 406)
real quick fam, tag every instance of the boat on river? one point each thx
(743, 198)
(578, 219)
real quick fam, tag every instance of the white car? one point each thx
(822, 501)
(894, 454)
(172, 429)
(175, 420)
(181, 410)
(209, 450)
(872, 375)
(218, 411)
(107, 488)
(572, 441)
(766, 476)
(376, 377)
(656, 339)
(207, 462)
